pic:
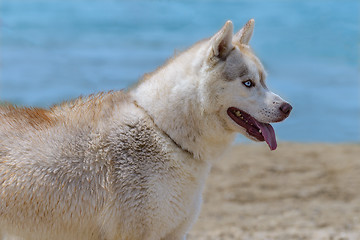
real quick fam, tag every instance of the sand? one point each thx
(299, 191)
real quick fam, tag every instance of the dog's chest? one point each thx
(152, 173)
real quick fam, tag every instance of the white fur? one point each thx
(130, 165)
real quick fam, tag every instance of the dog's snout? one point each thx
(285, 108)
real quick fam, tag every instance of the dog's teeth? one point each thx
(259, 130)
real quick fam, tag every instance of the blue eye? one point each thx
(248, 83)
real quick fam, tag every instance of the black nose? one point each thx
(285, 108)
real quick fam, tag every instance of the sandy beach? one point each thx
(299, 191)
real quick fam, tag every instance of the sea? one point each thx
(56, 50)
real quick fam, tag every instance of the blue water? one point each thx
(54, 50)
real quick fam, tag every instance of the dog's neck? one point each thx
(171, 97)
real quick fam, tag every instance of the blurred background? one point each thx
(56, 50)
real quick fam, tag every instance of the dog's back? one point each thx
(45, 162)
(86, 170)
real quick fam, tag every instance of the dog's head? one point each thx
(235, 86)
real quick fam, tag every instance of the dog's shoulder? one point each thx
(91, 109)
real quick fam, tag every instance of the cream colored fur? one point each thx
(129, 165)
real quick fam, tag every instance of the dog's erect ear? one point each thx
(244, 35)
(221, 44)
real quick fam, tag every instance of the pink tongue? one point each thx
(268, 133)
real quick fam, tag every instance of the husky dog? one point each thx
(132, 165)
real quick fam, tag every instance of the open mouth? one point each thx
(260, 131)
